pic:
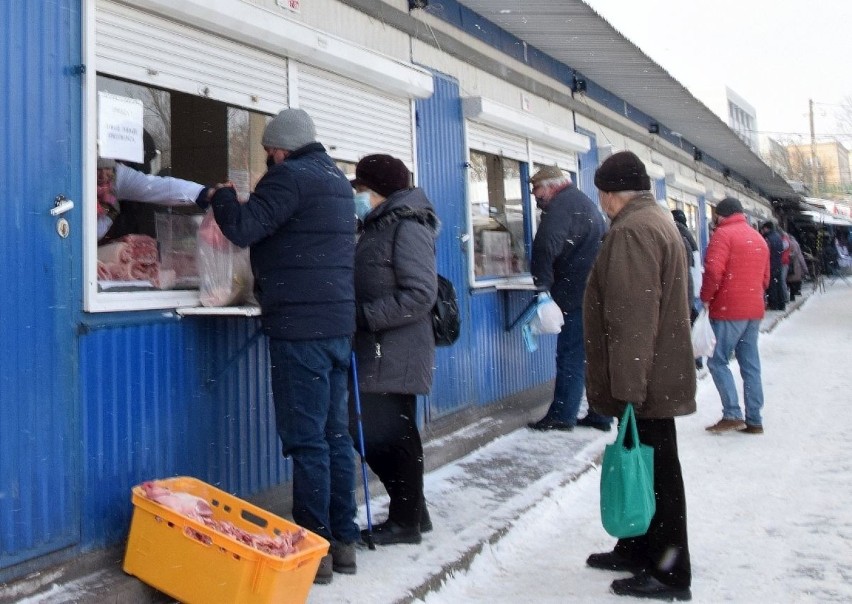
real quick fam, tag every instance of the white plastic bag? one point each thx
(224, 269)
(703, 338)
(548, 316)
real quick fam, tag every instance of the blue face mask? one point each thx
(362, 205)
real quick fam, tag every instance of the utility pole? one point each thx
(814, 174)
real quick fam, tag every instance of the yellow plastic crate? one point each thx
(163, 555)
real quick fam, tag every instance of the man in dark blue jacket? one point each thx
(300, 225)
(775, 293)
(564, 249)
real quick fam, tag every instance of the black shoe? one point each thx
(644, 585)
(550, 424)
(324, 572)
(343, 558)
(613, 561)
(425, 520)
(391, 533)
(597, 425)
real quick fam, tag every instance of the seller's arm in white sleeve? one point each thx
(162, 190)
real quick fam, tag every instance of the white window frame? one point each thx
(254, 29)
(494, 128)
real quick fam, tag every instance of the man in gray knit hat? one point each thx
(300, 225)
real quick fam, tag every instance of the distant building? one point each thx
(832, 166)
(775, 155)
(735, 111)
(742, 118)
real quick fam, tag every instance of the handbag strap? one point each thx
(628, 421)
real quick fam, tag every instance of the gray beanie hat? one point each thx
(290, 130)
(105, 162)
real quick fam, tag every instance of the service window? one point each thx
(498, 216)
(147, 234)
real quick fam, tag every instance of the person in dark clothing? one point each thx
(300, 225)
(639, 351)
(775, 292)
(564, 248)
(691, 248)
(395, 289)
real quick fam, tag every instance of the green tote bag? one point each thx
(627, 483)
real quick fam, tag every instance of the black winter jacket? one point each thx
(395, 290)
(565, 246)
(300, 224)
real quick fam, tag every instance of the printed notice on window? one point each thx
(120, 127)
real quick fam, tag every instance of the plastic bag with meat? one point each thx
(224, 269)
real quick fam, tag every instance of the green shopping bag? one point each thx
(627, 483)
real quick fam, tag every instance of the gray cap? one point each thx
(290, 130)
(105, 162)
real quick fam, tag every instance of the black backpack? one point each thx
(446, 320)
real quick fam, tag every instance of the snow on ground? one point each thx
(770, 517)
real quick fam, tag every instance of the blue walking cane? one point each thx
(361, 450)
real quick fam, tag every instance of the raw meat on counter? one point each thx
(196, 508)
(133, 258)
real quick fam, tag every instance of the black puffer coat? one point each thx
(395, 290)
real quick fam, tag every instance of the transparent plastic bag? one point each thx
(548, 317)
(225, 277)
(703, 337)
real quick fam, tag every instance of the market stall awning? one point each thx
(573, 33)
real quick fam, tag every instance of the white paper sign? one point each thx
(120, 127)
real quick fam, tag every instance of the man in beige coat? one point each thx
(639, 350)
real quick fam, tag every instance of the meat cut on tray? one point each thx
(196, 508)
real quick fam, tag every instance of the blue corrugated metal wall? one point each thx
(442, 174)
(487, 363)
(188, 397)
(40, 150)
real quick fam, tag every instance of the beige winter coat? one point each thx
(636, 318)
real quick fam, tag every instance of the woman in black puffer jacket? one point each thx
(395, 290)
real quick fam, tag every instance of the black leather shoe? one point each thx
(613, 561)
(391, 533)
(644, 585)
(546, 424)
(588, 423)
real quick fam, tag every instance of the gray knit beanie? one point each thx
(290, 130)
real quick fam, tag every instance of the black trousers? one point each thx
(663, 549)
(775, 293)
(394, 450)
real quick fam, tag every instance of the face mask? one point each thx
(362, 205)
(270, 161)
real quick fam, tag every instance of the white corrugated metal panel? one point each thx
(491, 140)
(485, 111)
(145, 48)
(354, 120)
(686, 184)
(542, 154)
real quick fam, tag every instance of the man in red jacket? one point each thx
(736, 273)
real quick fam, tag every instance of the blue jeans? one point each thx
(310, 389)
(571, 373)
(739, 337)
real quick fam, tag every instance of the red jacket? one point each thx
(736, 271)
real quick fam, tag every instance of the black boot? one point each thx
(391, 533)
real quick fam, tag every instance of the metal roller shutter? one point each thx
(491, 140)
(354, 120)
(145, 48)
(542, 154)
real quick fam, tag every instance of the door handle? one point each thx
(61, 205)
